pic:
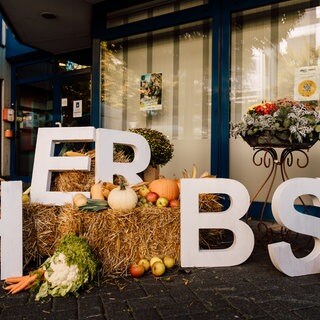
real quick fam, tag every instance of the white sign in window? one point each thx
(77, 108)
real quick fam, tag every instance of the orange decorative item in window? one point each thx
(8, 133)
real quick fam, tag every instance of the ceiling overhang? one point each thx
(50, 25)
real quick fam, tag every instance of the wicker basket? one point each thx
(277, 139)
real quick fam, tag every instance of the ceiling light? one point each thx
(48, 15)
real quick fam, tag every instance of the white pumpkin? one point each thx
(122, 198)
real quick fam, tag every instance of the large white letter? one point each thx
(286, 215)
(192, 221)
(106, 168)
(45, 162)
(11, 229)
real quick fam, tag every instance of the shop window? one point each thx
(272, 49)
(148, 10)
(162, 80)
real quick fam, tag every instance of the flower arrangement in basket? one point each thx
(282, 123)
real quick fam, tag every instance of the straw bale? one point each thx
(210, 238)
(69, 221)
(73, 180)
(209, 202)
(39, 229)
(117, 238)
(76, 180)
(120, 238)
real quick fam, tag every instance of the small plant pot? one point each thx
(151, 173)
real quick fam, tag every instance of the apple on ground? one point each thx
(136, 270)
(174, 203)
(162, 202)
(158, 268)
(145, 263)
(169, 262)
(152, 197)
(143, 191)
(154, 259)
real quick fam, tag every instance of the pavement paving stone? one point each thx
(117, 311)
(278, 311)
(181, 309)
(309, 313)
(70, 314)
(265, 295)
(64, 303)
(227, 313)
(146, 314)
(182, 293)
(252, 290)
(212, 301)
(246, 307)
(150, 302)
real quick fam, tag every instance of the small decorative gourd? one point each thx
(167, 188)
(96, 191)
(122, 198)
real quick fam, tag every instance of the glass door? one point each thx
(75, 94)
(34, 110)
(65, 101)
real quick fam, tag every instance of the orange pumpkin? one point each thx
(167, 188)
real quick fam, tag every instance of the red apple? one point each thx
(136, 270)
(152, 197)
(174, 203)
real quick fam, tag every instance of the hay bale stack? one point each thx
(120, 238)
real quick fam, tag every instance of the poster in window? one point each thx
(151, 92)
(307, 83)
(77, 108)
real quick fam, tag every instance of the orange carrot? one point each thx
(25, 282)
(10, 286)
(19, 286)
(15, 279)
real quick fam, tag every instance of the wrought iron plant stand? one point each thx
(266, 156)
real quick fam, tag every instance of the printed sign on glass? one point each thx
(151, 91)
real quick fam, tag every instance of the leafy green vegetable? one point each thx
(94, 205)
(71, 266)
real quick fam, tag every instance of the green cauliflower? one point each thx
(71, 266)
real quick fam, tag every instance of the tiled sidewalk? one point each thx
(252, 290)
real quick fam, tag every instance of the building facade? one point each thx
(185, 68)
